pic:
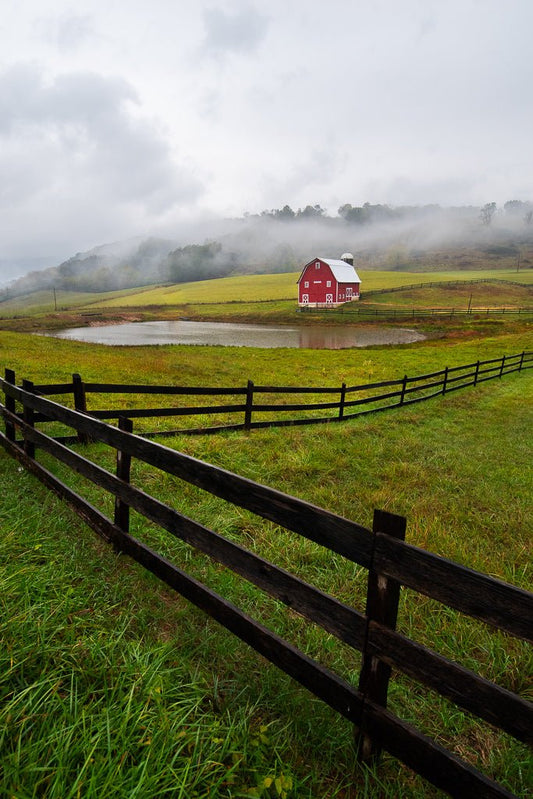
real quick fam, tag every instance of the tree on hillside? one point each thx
(353, 214)
(520, 208)
(379, 212)
(486, 213)
(199, 262)
(368, 213)
(515, 207)
(285, 214)
(310, 212)
(281, 259)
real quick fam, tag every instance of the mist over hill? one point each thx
(283, 240)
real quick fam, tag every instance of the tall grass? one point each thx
(112, 685)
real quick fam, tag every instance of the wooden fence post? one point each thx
(342, 400)
(519, 367)
(29, 446)
(249, 405)
(502, 366)
(80, 402)
(476, 375)
(9, 376)
(404, 386)
(122, 510)
(445, 381)
(383, 594)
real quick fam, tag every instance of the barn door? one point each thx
(305, 299)
(329, 299)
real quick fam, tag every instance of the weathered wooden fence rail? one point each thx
(390, 561)
(253, 412)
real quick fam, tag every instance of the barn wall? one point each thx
(318, 280)
(342, 291)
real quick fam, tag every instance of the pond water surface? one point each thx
(240, 335)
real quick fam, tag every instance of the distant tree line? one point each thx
(521, 209)
(253, 248)
(286, 214)
(370, 214)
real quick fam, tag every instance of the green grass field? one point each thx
(458, 296)
(40, 302)
(230, 293)
(112, 686)
(250, 288)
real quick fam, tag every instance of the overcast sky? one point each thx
(121, 118)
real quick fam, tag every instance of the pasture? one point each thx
(250, 288)
(263, 297)
(113, 686)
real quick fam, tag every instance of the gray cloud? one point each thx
(307, 176)
(77, 151)
(118, 123)
(82, 99)
(68, 32)
(240, 31)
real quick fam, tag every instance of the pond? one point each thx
(240, 335)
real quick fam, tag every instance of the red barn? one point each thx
(328, 282)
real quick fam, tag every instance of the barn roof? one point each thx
(342, 272)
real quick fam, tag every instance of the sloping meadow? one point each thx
(112, 685)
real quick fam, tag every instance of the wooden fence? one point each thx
(354, 308)
(252, 411)
(443, 283)
(390, 561)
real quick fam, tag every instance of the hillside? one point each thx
(381, 238)
(272, 299)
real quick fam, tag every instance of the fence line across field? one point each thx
(415, 313)
(442, 283)
(252, 411)
(390, 561)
